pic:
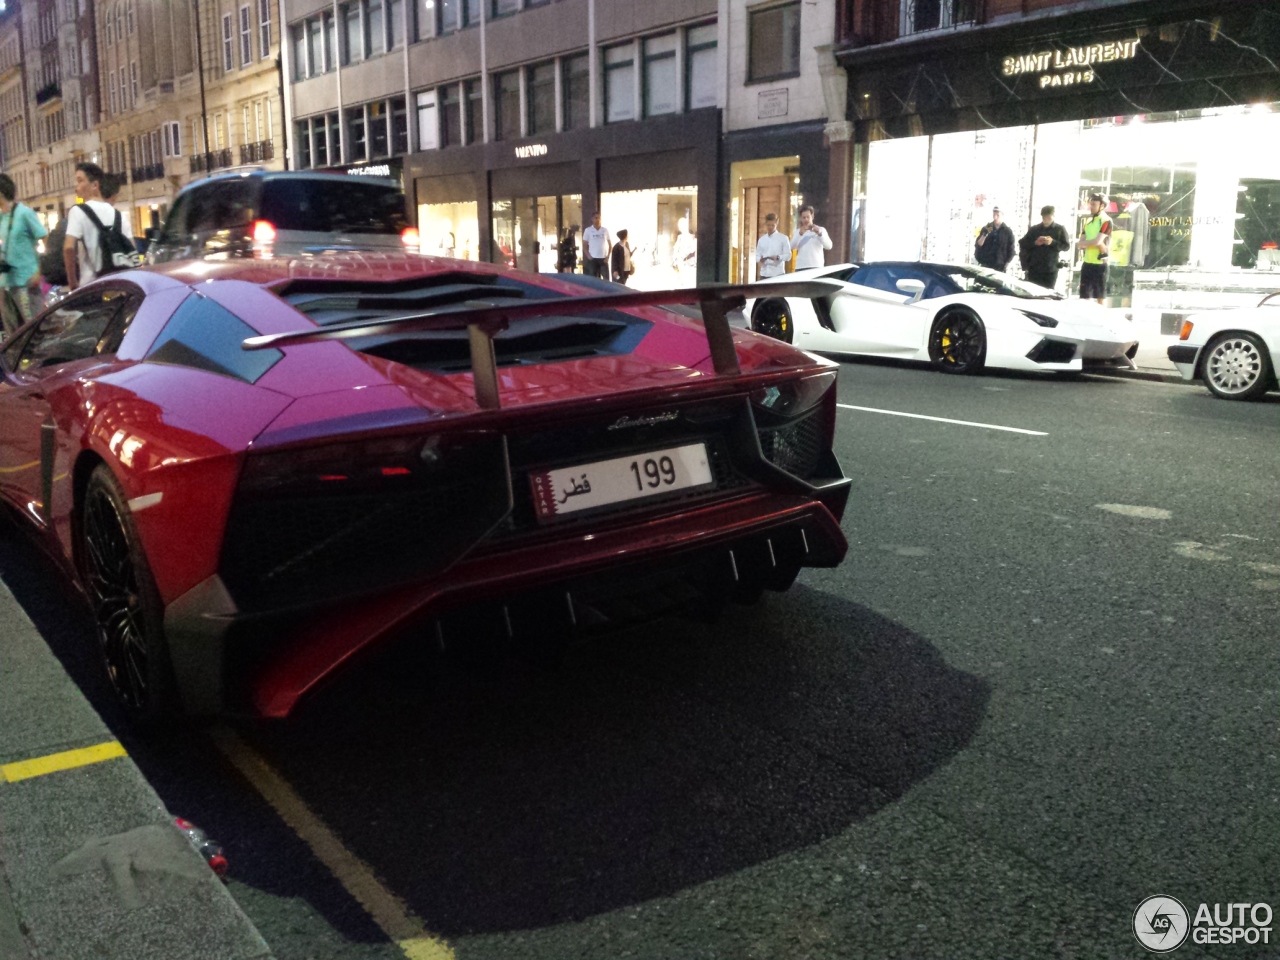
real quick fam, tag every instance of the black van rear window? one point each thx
(328, 206)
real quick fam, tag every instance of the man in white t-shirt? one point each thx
(80, 249)
(773, 252)
(809, 241)
(597, 245)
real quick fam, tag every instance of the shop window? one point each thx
(473, 110)
(506, 105)
(395, 24)
(661, 90)
(302, 140)
(450, 115)
(662, 228)
(775, 43)
(353, 44)
(399, 127)
(449, 229)
(378, 139)
(541, 86)
(428, 131)
(701, 66)
(620, 83)
(576, 81)
(375, 28)
(357, 145)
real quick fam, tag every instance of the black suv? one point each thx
(287, 213)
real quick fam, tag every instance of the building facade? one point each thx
(15, 141)
(510, 121)
(1168, 109)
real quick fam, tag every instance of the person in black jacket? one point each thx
(995, 244)
(1039, 250)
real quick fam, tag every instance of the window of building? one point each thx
(506, 105)
(921, 15)
(257, 122)
(133, 83)
(335, 136)
(620, 83)
(399, 126)
(428, 132)
(124, 90)
(502, 8)
(315, 48)
(576, 81)
(246, 37)
(470, 13)
(701, 66)
(450, 115)
(264, 28)
(111, 91)
(297, 36)
(357, 145)
(395, 24)
(375, 28)
(319, 142)
(302, 139)
(354, 52)
(228, 44)
(128, 16)
(541, 87)
(378, 133)
(172, 132)
(661, 86)
(108, 31)
(119, 22)
(330, 42)
(775, 42)
(449, 13)
(473, 112)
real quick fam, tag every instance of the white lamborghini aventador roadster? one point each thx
(958, 318)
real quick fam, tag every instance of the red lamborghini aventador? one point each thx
(255, 470)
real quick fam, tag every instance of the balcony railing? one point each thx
(154, 171)
(208, 162)
(258, 152)
(50, 91)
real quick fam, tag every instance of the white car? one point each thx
(958, 318)
(1232, 351)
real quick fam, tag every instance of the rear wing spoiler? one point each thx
(484, 323)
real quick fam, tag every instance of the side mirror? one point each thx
(913, 287)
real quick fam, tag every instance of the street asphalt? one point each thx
(1042, 687)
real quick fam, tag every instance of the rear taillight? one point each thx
(791, 398)
(341, 467)
(796, 421)
(409, 236)
(263, 232)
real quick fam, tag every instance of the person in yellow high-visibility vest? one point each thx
(1095, 243)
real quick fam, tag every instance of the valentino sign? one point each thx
(1064, 68)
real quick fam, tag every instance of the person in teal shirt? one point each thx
(20, 228)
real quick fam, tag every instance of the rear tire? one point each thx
(958, 342)
(125, 604)
(772, 317)
(1236, 366)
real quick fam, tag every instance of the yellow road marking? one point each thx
(20, 468)
(66, 760)
(387, 910)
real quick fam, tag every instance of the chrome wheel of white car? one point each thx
(1236, 367)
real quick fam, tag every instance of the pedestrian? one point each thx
(773, 252)
(20, 228)
(596, 244)
(809, 242)
(82, 250)
(684, 254)
(620, 262)
(996, 243)
(1039, 250)
(567, 257)
(1095, 242)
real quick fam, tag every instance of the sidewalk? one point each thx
(91, 867)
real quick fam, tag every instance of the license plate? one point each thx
(557, 493)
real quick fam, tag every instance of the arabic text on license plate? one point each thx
(571, 489)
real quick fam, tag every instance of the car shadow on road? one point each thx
(649, 761)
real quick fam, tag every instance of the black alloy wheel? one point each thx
(958, 342)
(126, 606)
(772, 317)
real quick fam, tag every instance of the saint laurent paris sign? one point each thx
(1064, 68)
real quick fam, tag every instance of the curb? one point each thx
(91, 864)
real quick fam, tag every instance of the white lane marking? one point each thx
(1129, 510)
(1193, 550)
(960, 423)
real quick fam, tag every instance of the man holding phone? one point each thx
(1095, 244)
(773, 251)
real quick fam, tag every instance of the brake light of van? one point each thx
(409, 236)
(263, 232)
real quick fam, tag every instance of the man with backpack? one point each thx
(99, 239)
